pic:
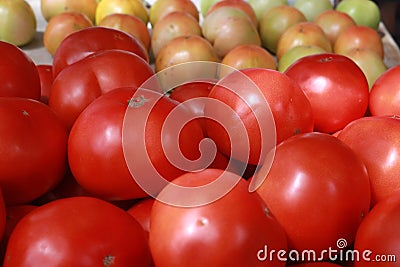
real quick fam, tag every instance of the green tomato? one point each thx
(261, 6)
(297, 52)
(363, 12)
(17, 22)
(312, 8)
(205, 6)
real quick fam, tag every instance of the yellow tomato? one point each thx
(131, 7)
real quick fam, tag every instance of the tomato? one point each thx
(262, 101)
(130, 24)
(46, 80)
(19, 76)
(104, 150)
(60, 26)
(359, 36)
(79, 84)
(384, 97)
(318, 190)
(3, 218)
(13, 214)
(33, 149)
(67, 187)
(336, 87)
(376, 140)
(229, 231)
(84, 42)
(141, 212)
(378, 236)
(244, 6)
(198, 91)
(78, 231)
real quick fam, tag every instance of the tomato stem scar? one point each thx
(137, 102)
(108, 260)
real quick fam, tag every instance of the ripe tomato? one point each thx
(141, 212)
(384, 97)
(104, 148)
(198, 91)
(46, 80)
(79, 84)
(318, 190)
(376, 140)
(378, 237)
(82, 43)
(336, 87)
(3, 218)
(19, 76)
(78, 231)
(230, 231)
(67, 187)
(262, 101)
(13, 214)
(33, 149)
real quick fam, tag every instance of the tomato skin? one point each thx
(336, 87)
(193, 90)
(13, 215)
(376, 140)
(288, 105)
(35, 140)
(79, 84)
(385, 93)
(141, 212)
(78, 231)
(318, 190)
(380, 234)
(14, 65)
(3, 218)
(227, 232)
(97, 152)
(83, 43)
(46, 80)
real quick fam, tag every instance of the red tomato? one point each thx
(79, 84)
(260, 100)
(231, 231)
(193, 92)
(336, 87)
(78, 231)
(82, 43)
(33, 149)
(141, 212)
(385, 93)
(107, 159)
(46, 80)
(67, 187)
(376, 140)
(3, 218)
(19, 76)
(13, 215)
(318, 190)
(378, 237)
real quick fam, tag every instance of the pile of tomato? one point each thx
(107, 162)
